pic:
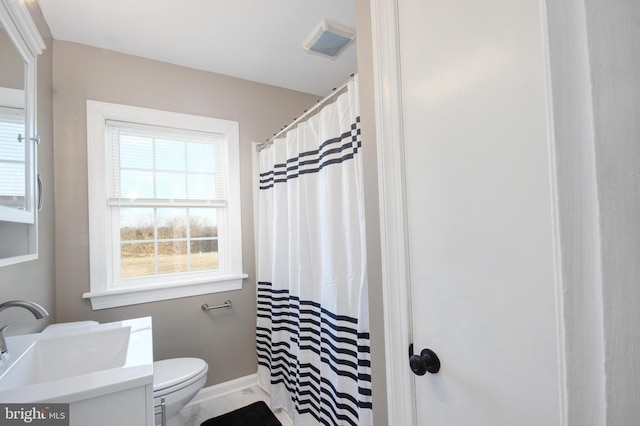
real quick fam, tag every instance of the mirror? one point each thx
(20, 44)
(13, 170)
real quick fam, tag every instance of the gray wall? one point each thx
(224, 338)
(10, 63)
(372, 216)
(34, 280)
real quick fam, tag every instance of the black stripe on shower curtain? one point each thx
(332, 151)
(333, 337)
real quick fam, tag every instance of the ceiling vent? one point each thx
(329, 39)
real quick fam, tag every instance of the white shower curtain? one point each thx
(313, 323)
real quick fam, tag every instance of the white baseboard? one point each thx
(221, 389)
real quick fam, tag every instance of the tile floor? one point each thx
(194, 413)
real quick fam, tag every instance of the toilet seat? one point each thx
(174, 374)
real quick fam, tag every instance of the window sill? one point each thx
(114, 298)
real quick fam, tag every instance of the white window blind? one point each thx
(154, 165)
(12, 155)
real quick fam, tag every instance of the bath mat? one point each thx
(256, 414)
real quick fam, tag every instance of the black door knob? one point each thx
(426, 361)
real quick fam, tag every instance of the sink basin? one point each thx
(77, 363)
(56, 358)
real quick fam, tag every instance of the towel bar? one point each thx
(226, 304)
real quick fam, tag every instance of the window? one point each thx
(12, 158)
(164, 205)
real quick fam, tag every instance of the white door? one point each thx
(480, 211)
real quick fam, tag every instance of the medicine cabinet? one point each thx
(20, 45)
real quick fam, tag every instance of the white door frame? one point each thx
(391, 181)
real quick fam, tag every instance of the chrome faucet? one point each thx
(38, 311)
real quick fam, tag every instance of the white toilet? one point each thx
(177, 380)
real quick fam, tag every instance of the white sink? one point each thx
(79, 363)
(55, 358)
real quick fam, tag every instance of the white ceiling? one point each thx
(258, 40)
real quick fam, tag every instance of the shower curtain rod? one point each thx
(295, 121)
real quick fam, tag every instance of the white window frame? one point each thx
(105, 292)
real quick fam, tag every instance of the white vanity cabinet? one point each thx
(129, 407)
